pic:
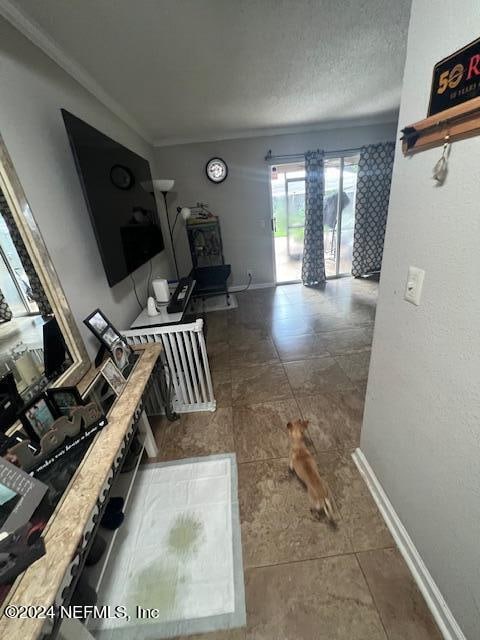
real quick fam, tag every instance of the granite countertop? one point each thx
(39, 584)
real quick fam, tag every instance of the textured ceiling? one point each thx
(202, 69)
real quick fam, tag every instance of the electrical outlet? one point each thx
(250, 273)
(413, 288)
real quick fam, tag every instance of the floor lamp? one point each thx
(164, 186)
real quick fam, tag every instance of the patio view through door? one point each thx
(288, 217)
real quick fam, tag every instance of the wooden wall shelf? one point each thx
(462, 121)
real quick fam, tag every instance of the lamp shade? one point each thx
(159, 185)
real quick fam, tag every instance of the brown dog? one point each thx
(303, 464)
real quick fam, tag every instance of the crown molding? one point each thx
(31, 30)
(388, 118)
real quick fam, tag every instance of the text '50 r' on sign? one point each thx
(456, 79)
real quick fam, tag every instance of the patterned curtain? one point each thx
(313, 267)
(5, 311)
(371, 209)
(37, 292)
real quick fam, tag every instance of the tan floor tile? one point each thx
(324, 599)
(335, 418)
(316, 375)
(241, 334)
(222, 387)
(348, 340)
(261, 383)
(260, 430)
(355, 365)
(253, 352)
(219, 356)
(300, 347)
(365, 526)
(400, 603)
(198, 434)
(291, 326)
(277, 525)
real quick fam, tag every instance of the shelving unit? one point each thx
(122, 487)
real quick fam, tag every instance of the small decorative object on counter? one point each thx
(64, 434)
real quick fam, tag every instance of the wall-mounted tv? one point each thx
(123, 214)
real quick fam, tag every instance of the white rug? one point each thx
(178, 552)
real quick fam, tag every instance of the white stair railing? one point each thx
(186, 355)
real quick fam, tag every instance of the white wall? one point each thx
(243, 200)
(32, 90)
(421, 430)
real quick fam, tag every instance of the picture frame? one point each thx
(109, 337)
(37, 417)
(106, 386)
(113, 376)
(64, 399)
(20, 495)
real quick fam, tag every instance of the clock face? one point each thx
(121, 177)
(217, 170)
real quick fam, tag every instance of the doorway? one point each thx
(288, 217)
(288, 220)
(339, 214)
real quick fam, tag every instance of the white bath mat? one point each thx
(178, 553)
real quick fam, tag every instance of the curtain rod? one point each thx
(334, 152)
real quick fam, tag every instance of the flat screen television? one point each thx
(123, 214)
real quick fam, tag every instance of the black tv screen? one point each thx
(123, 214)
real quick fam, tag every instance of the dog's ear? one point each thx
(289, 426)
(305, 424)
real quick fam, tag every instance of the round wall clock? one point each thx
(121, 177)
(217, 170)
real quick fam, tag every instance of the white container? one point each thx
(161, 290)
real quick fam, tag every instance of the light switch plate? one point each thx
(413, 289)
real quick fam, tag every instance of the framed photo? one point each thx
(20, 495)
(114, 377)
(37, 417)
(121, 355)
(64, 399)
(105, 332)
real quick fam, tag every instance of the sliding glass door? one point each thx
(339, 214)
(288, 220)
(288, 217)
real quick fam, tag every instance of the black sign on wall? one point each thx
(456, 79)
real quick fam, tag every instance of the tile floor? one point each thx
(288, 352)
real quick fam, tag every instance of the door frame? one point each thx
(293, 159)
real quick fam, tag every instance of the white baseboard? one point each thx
(261, 285)
(433, 597)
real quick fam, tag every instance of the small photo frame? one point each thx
(113, 376)
(105, 332)
(121, 355)
(38, 417)
(64, 400)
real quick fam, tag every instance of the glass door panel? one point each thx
(339, 214)
(350, 170)
(332, 172)
(288, 220)
(295, 218)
